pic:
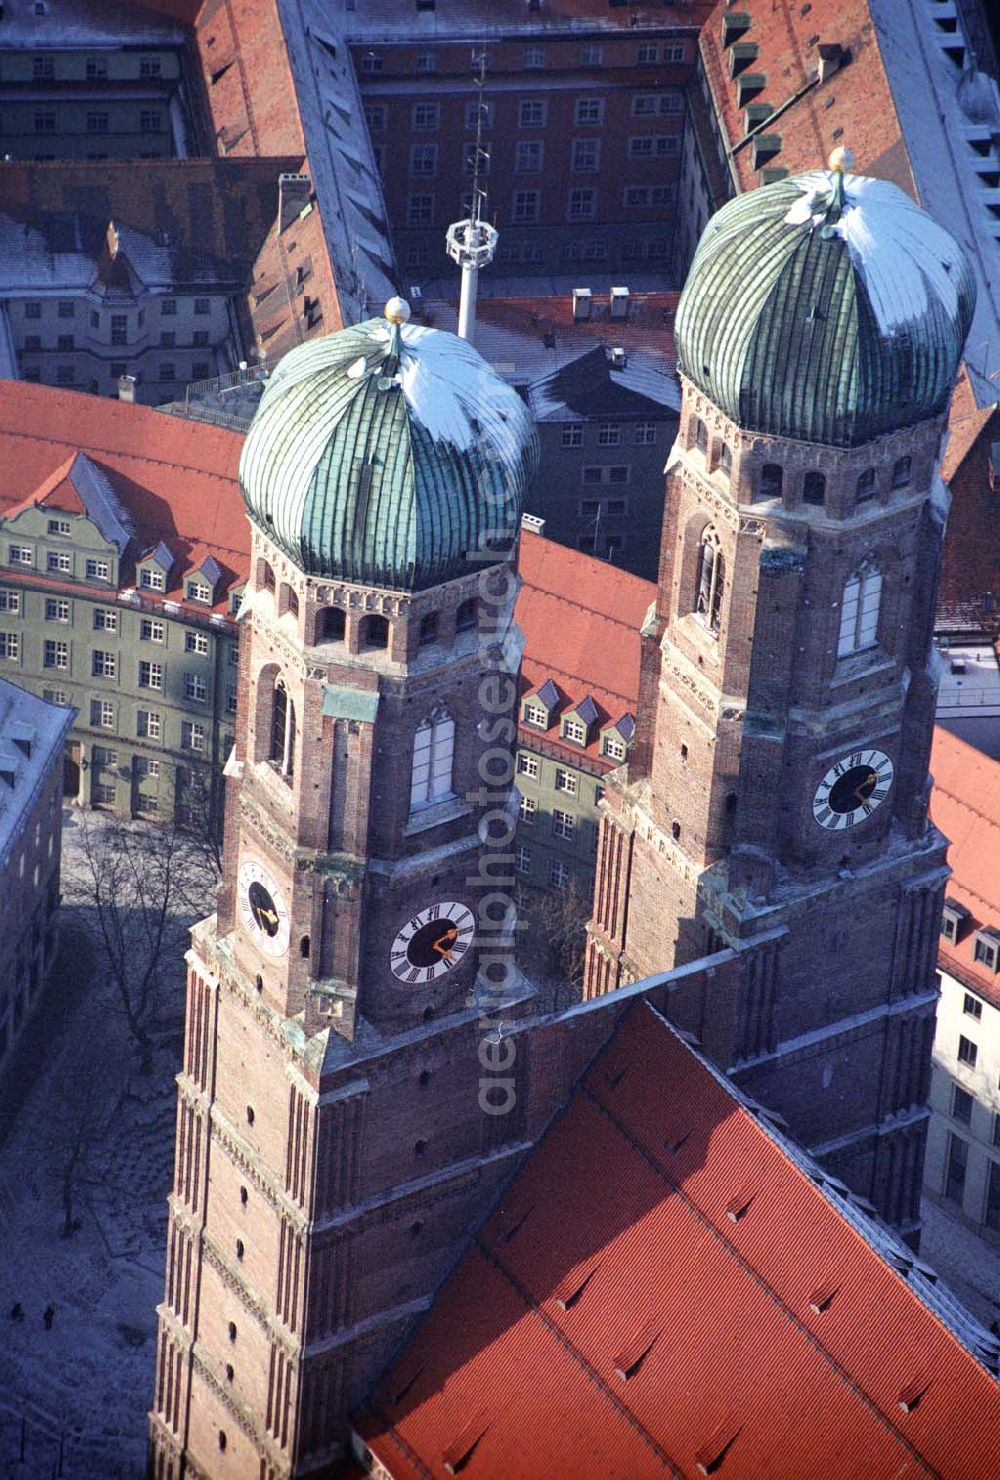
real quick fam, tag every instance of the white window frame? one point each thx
(432, 766)
(566, 782)
(859, 610)
(196, 642)
(528, 765)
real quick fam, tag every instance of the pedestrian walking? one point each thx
(49, 1316)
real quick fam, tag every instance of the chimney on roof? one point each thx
(126, 388)
(619, 303)
(293, 197)
(619, 358)
(583, 300)
(112, 240)
(533, 523)
(831, 59)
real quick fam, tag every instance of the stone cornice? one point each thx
(242, 1156)
(208, 1370)
(251, 1303)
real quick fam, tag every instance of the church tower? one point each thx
(334, 1139)
(775, 804)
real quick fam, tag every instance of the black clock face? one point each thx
(433, 942)
(853, 789)
(263, 909)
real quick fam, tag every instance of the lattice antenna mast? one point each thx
(472, 243)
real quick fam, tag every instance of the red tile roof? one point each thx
(970, 561)
(177, 477)
(855, 106)
(664, 1290)
(581, 619)
(965, 805)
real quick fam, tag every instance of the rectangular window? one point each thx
(150, 675)
(426, 61)
(202, 305)
(478, 115)
(105, 621)
(192, 736)
(532, 113)
(196, 642)
(572, 434)
(119, 328)
(232, 701)
(961, 1105)
(103, 665)
(9, 645)
(528, 156)
(565, 781)
(104, 793)
(147, 765)
(98, 570)
(150, 121)
(199, 591)
(59, 526)
(55, 696)
(59, 560)
(559, 874)
(423, 159)
(968, 1052)
(563, 825)
(33, 309)
(582, 205)
(168, 307)
(645, 433)
(152, 631)
(102, 717)
(10, 601)
(96, 67)
(45, 123)
(168, 371)
(527, 204)
(476, 158)
(591, 56)
(522, 858)
(149, 66)
(958, 1157)
(56, 654)
(608, 434)
(589, 110)
(195, 688)
(972, 1006)
(20, 555)
(526, 811)
(527, 765)
(425, 116)
(613, 747)
(586, 156)
(648, 54)
(65, 375)
(673, 51)
(151, 578)
(575, 730)
(534, 58)
(200, 339)
(147, 724)
(97, 123)
(420, 210)
(56, 610)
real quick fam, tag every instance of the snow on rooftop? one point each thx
(452, 392)
(908, 263)
(947, 165)
(32, 732)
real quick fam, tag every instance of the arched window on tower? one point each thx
(282, 751)
(433, 759)
(859, 610)
(700, 438)
(711, 580)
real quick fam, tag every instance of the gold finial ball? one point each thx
(841, 159)
(397, 311)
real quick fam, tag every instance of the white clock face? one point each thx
(262, 909)
(852, 789)
(432, 942)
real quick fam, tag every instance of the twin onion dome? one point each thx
(826, 307)
(385, 453)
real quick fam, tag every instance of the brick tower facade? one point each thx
(776, 798)
(333, 1144)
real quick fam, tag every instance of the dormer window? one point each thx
(613, 747)
(986, 948)
(197, 590)
(151, 578)
(535, 715)
(954, 918)
(574, 730)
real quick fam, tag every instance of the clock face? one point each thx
(433, 942)
(852, 789)
(263, 909)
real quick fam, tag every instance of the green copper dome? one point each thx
(384, 453)
(825, 307)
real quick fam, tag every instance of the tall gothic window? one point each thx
(433, 758)
(283, 730)
(859, 610)
(711, 580)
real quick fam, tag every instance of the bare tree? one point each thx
(200, 800)
(135, 890)
(80, 1109)
(553, 939)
